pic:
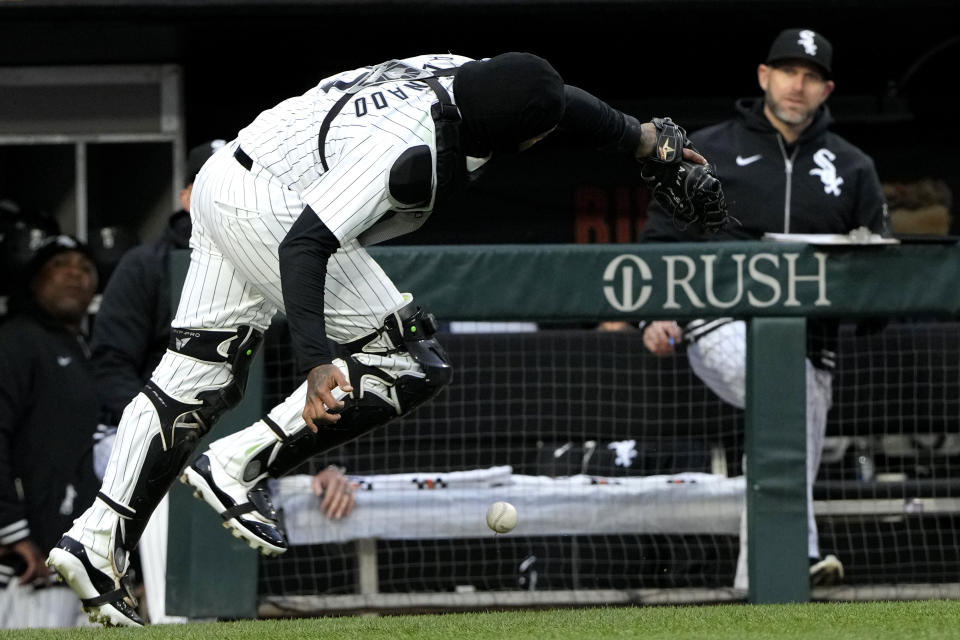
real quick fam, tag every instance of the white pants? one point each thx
(22, 607)
(719, 359)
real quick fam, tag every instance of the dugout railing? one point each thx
(776, 285)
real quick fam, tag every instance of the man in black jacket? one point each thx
(48, 414)
(782, 171)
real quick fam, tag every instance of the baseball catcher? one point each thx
(282, 216)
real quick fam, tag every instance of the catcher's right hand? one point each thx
(322, 408)
(690, 192)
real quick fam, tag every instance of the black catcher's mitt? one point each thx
(688, 191)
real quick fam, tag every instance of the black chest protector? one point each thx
(451, 161)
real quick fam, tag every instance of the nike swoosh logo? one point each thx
(742, 162)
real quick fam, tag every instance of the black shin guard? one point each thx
(359, 416)
(413, 331)
(300, 447)
(182, 424)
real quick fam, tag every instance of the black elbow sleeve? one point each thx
(304, 254)
(598, 124)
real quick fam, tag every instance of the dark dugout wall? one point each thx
(895, 67)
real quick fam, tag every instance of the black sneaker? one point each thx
(247, 511)
(106, 598)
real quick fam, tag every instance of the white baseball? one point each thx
(502, 517)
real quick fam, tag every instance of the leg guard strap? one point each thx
(121, 510)
(409, 322)
(212, 345)
(260, 502)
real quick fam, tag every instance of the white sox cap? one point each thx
(805, 45)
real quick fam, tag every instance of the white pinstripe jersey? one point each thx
(379, 122)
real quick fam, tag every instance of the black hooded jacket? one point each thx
(132, 327)
(820, 184)
(48, 415)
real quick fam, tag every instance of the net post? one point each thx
(367, 578)
(776, 460)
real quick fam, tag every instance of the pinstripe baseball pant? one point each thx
(719, 360)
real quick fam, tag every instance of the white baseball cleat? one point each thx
(827, 571)
(106, 598)
(246, 511)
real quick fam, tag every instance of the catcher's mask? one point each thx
(506, 100)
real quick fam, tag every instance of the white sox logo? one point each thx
(759, 281)
(626, 451)
(806, 41)
(824, 158)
